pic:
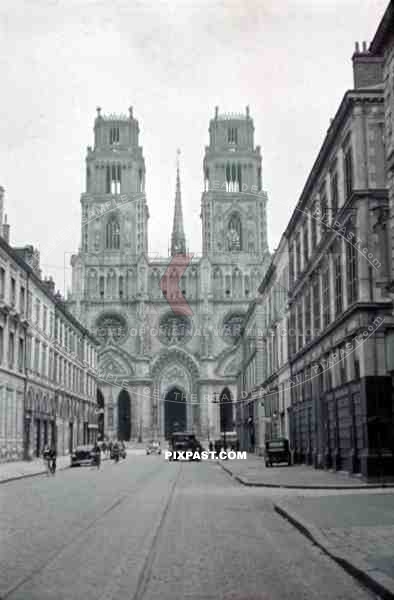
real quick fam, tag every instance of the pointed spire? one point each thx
(178, 241)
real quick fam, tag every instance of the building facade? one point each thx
(47, 363)
(338, 370)
(161, 369)
(264, 381)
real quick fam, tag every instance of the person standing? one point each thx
(97, 455)
(46, 454)
(53, 456)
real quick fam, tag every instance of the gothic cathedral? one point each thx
(160, 370)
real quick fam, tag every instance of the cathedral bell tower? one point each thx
(233, 206)
(114, 210)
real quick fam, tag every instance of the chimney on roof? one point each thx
(6, 230)
(367, 68)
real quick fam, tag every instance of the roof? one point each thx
(59, 304)
(385, 30)
(350, 97)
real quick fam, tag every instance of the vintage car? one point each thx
(153, 447)
(277, 451)
(83, 455)
(183, 442)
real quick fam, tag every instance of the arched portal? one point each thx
(174, 411)
(226, 411)
(124, 416)
(100, 419)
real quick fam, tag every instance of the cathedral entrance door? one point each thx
(174, 412)
(124, 416)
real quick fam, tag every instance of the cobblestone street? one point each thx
(146, 528)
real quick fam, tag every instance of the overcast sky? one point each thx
(290, 60)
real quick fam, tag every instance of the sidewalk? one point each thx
(253, 472)
(356, 530)
(19, 469)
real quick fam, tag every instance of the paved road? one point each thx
(148, 529)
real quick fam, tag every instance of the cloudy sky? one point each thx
(173, 61)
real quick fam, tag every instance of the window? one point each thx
(113, 234)
(11, 350)
(351, 273)
(323, 212)
(2, 282)
(13, 291)
(306, 240)
(232, 135)
(44, 361)
(1, 345)
(113, 178)
(233, 177)
(114, 135)
(356, 368)
(291, 265)
(20, 355)
(22, 301)
(298, 254)
(28, 352)
(29, 305)
(37, 312)
(326, 294)
(348, 169)
(342, 365)
(334, 193)
(338, 281)
(44, 319)
(292, 331)
(37, 356)
(300, 328)
(307, 313)
(234, 234)
(314, 219)
(316, 303)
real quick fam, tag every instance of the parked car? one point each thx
(277, 451)
(153, 447)
(83, 455)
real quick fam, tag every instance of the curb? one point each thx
(27, 475)
(245, 482)
(377, 582)
(36, 474)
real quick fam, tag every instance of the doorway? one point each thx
(174, 412)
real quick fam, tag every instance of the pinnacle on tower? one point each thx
(178, 242)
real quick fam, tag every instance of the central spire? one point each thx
(178, 242)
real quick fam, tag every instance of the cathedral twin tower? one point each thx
(116, 291)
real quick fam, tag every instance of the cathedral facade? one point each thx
(168, 327)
